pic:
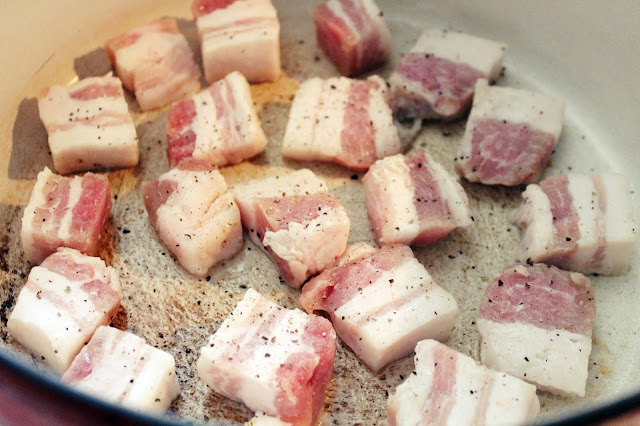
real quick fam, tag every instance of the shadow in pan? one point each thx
(30, 152)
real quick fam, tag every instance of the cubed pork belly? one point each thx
(510, 135)
(535, 323)
(381, 302)
(341, 120)
(436, 79)
(121, 367)
(302, 226)
(89, 125)
(276, 361)
(218, 126)
(155, 62)
(579, 222)
(196, 217)
(63, 302)
(65, 212)
(413, 200)
(238, 35)
(448, 388)
(353, 33)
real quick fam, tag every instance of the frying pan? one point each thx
(585, 53)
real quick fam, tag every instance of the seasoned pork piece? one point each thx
(412, 200)
(448, 388)
(65, 212)
(155, 62)
(89, 125)
(238, 35)
(536, 322)
(196, 217)
(218, 126)
(381, 302)
(341, 120)
(510, 135)
(121, 367)
(436, 78)
(276, 361)
(302, 226)
(64, 301)
(353, 33)
(579, 222)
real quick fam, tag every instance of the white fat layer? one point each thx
(389, 191)
(400, 82)
(451, 192)
(391, 315)
(75, 191)
(387, 139)
(585, 203)
(535, 219)
(261, 419)
(32, 253)
(208, 132)
(556, 360)
(356, 251)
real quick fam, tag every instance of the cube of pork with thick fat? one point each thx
(353, 33)
(122, 368)
(535, 323)
(238, 35)
(276, 361)
(510, 135)
(65, 212)
(218, 126)
(64, 301)
(89, 125)
(341, 120)
(436, 79)
(196, 217)
(302, 226)
(413, 200)
(381, 302)
(579, 222)
(448, 388)
(155, 62)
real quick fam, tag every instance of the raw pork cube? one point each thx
(195, 216)
(353, 33)
(65, 212)
(218, 126)
(277, 361)
(436, 78)
(381, 302)
(448, 388)
(579, 222)
(121, 367)
(535, 323)
(341, 120)
(155, 62)
(510, 135)
(411, 199)
(64, 301)
(238, 35)
(302, 226)
(89, 125)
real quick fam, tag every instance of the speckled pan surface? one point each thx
(586, 55)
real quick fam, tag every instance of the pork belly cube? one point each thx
(65, 212)
(276, 361)
(353, 33)
(63, 302)
(535, 323)
(510, 135)
(218, 126)
(155, 62)
(579, 222)
(238, 35)
(121, 367)
(448, 388)
(436, 79)
(196, 217)
(89, 125)
(302, 226)
(381, 302)
(412, 200)
(341, 120)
